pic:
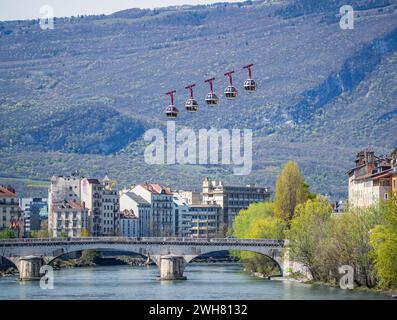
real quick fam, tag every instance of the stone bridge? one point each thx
(171, 255)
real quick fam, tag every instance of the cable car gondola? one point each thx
(211, 98)
(191, 104)
(171, 111)
(249, 84)
(230, 91)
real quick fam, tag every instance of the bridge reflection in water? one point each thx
(171, 255)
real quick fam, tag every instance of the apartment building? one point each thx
(68, 219)
(129, 224)
(33, 209)
(232, 199)
(373, 178)
(141, 209)
(160, 198)
(10, 213)
(182, 215)
(62, 188)
(102, 203)
(205, 220)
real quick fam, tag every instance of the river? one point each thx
(205, 281)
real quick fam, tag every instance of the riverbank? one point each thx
(10, 272)
(303, 280)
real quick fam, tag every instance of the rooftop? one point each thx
(67, 204)
(136, 198)
(156, 188)
(7, 192)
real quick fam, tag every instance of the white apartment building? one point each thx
(182, 216)
(103, 207)
(129, 224)
(68, 218)
(141, 209)
(162, 220)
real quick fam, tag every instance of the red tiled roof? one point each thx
(4, 192)
(156, 188)
(67, 204)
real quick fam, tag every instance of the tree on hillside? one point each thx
(290, 191)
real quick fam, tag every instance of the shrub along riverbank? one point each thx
(365, 239)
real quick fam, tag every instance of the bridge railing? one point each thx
(218, 241)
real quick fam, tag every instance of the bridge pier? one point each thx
(29, 268)
(172, 267)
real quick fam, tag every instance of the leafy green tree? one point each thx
(258, 221)
(290, 191)
(308, 194)
(7, 234)
(346, 241)
(307, 231)
(383, 239)
(85, 233)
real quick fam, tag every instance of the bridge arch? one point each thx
(51, 259)
(275, 260)
(10, 261)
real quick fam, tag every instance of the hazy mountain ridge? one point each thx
(94, 84)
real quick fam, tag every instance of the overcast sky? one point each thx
(30, 9)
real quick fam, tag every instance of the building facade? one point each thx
(372, 179)
(190, 197)
(68, 219)
(102, 203)
(182, 215)
(129, 224)
(162, 220)
(232, 199)
(11, 217)
(33, 209)
(62, 188)
(141, 209)
(205, 220)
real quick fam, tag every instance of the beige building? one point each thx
(10, 212)
(371, 180)
(190, 197)
(232, 199)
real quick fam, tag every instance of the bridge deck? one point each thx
(142, 240)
